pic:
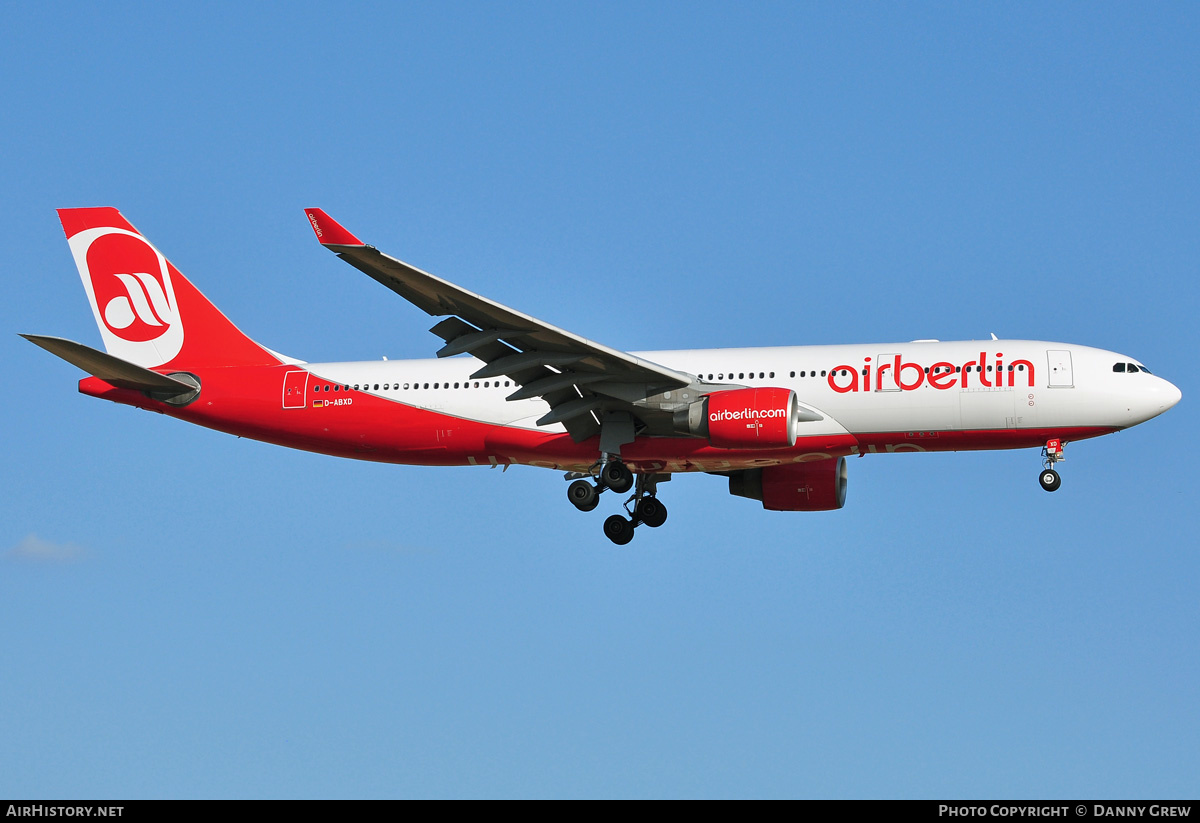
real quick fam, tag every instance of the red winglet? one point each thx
(329, 231)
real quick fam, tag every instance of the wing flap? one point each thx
(464, 343)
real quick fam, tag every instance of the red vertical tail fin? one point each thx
(148, 313)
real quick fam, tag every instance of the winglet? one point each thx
(329, 231)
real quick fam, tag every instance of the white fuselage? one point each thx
(861, 388)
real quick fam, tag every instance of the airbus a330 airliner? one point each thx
(509, 389)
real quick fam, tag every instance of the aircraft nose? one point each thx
(1163, 395)
(1171, 395)
(1152, 399)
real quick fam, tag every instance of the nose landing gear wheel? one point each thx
(1050, 480)
(618, 529)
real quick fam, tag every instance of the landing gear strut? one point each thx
(643, 506)
(1052, 452)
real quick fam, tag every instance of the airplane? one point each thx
(506, 389)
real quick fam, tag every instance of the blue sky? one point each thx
(185, 614)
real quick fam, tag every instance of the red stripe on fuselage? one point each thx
(973, 439)
(245, 402)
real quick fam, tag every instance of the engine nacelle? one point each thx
(794, 487)
(743, 418)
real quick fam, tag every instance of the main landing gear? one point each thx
(613, 474)
(1052, 452)
(643, 506)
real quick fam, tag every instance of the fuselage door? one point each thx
(294, 385)
(886, 377)
(1059, 363)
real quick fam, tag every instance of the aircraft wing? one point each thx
(579, 378)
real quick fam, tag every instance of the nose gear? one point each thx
(1052, 453)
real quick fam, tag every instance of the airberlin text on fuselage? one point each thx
(941, 375)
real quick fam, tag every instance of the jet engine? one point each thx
(794, 487)
(743, 418)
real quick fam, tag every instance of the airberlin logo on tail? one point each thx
(141, 313)
(128, 283)
(987, 371)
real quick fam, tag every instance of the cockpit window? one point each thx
(1120, 367)
(1146, 370)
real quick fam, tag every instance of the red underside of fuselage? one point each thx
(247, 402)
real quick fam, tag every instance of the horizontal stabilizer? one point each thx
(114, 370)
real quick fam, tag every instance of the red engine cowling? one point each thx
(744, 418)
(794, 487)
